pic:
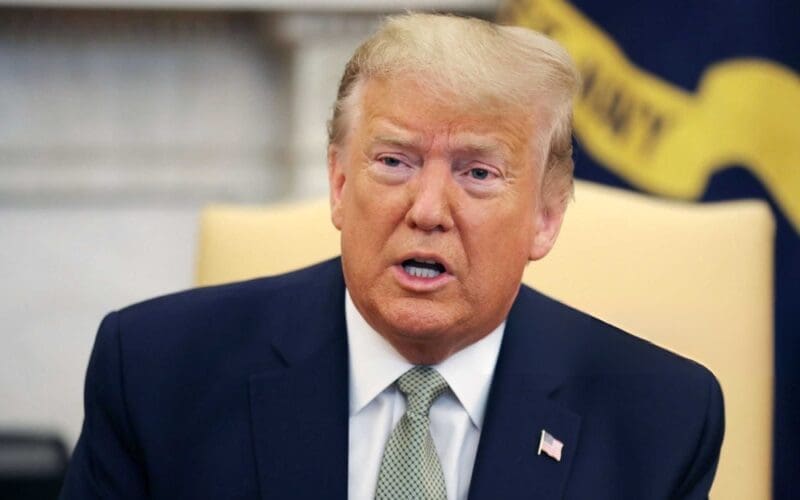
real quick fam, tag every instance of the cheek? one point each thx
(372, 212)
(497, 240)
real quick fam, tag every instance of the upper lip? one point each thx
(427, 256)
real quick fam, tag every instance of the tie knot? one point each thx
(421, 386)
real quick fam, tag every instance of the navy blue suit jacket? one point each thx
(241, 392)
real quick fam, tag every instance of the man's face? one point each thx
(439, 209)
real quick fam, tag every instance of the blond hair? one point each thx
(484, 64)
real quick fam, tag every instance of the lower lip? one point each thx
(418, 284)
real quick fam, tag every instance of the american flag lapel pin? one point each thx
(550, 446)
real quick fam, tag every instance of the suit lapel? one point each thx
(300, 413)
(520, 406)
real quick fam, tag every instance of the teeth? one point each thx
(427, 261)
(421, 272)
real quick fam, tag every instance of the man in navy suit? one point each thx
(415, 366)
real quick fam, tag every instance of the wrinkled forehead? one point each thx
(451, 96)
(414, 105)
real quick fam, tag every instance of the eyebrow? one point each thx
(465, 142)
(488, 148)
(388, 132)
(482, 146)
(394, 140)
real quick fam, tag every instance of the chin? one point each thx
(418, 318)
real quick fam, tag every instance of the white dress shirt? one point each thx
(376, 405)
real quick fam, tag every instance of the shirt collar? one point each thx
(375, 365)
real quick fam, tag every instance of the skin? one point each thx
(440, 180)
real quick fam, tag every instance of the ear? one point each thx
(336, 182)
(548, 219)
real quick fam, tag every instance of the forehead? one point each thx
(410, 110)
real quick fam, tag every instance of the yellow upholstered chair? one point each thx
(696, 279)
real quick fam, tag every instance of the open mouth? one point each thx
(420, 268)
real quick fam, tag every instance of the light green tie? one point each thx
(410, 468)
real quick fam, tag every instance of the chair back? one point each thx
(694, 278)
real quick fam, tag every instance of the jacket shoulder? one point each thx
(597, 346)
(237, 295)
(227, 327)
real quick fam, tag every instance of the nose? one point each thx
(431, 203)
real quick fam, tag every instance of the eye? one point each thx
(390, 161)
(479, 173)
